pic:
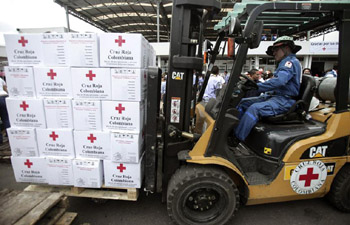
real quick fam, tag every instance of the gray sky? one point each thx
(45, 13)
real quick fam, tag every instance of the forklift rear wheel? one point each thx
(201, 195)
(339, 194)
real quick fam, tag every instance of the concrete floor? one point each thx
(149, 210)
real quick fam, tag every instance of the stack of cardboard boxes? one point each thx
(77, 108)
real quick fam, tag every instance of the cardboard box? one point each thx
(92, 144)
(122, 116)
(53, 82)
(55, 142)
(59, 171)
(88, 173)
(83, 49)
(55, 49)
(123, 50)
(29, 169)
(26, 112)
(24, 49)
(87, 115)
(128, 84)
(91, 83)
(59, 113)
(123, 175)
(126, 147)
(23, 142)
(20, 81)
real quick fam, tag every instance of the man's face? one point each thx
(278, 53)
(255, 76)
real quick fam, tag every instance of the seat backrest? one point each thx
(300, 108)
(306, 91)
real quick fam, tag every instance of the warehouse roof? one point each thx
(140, 16)
(134, 16)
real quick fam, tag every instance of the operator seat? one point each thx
(297, 113)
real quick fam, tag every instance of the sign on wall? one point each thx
(324, 47)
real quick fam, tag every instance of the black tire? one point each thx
(201, 195)
(339, 195)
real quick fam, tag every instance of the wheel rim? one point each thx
(205, 203)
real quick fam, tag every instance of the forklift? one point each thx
(293, 156)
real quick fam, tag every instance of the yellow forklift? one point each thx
(297, 155)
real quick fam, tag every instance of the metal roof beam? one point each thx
(313, 25)
(164, 15)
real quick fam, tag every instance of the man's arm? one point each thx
(282, 78)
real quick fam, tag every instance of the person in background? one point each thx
(333, 72)
(307, 71)
(274, 37)
(269, 75)
(200, 82)
(163, 87)
(261, 74)
(3, 109)
(226, 76)
(279, 92)
(214, 85)
(254, 74)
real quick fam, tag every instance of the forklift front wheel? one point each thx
(201, 195)
(339, 194)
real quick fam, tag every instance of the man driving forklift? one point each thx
(279, 92)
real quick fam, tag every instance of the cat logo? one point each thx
(267, 151)
(330, 168)
(318, 152)
(177, 75)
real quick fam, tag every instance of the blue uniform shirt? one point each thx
(287, 78)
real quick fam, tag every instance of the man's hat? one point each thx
(281, 41)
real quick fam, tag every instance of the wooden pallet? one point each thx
(29, 208)
(128, 194)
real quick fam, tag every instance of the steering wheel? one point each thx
(250, 82)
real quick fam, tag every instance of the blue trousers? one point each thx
(252, 109)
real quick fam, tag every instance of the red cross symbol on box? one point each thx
(121, 167)
(24, 105)
(53, 135)
(52, 74)
(120, 41)
(23, 41)
(324, 49)
(28, 163)
(90, 75)
(92, 138)
(308, 177)
(120, 108)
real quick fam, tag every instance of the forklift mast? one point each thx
(187, 27)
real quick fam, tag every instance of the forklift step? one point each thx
(255, 178)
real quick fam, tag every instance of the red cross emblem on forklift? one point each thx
(23, 41)
(308, 177)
